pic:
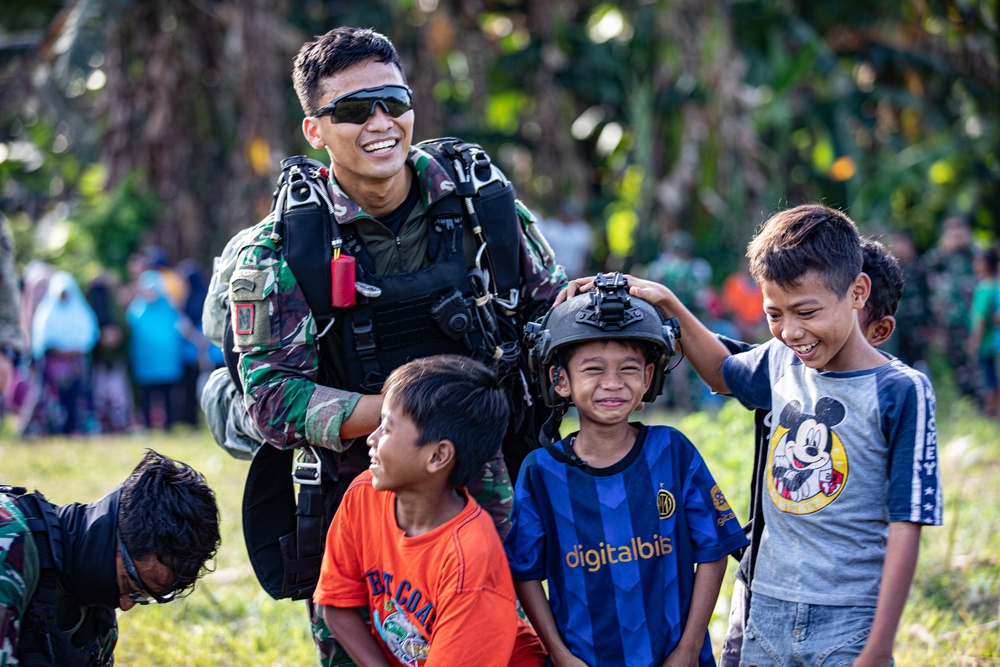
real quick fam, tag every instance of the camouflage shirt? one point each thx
(13, 588)
(19, 567)
(10, 293)
(278, 336)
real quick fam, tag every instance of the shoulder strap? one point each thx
(490, 207)
(303, 223)
(43, 544)
(40, 517)
(305, 226)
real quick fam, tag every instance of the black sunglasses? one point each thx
(355, 107)
(143, 595)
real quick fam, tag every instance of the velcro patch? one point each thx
(247, 285)
(251, 315)
(243, 322)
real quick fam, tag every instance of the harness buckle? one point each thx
(307, 468)
(300, 190)
(495, 175)
(370, 291)
(364, 342)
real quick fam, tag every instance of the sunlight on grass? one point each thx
(951, 618)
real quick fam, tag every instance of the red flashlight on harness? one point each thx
(343, 293)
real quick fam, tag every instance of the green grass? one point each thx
(951, 618)
(229, 619)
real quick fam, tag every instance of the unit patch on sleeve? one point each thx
(251, 316)
(243, 323)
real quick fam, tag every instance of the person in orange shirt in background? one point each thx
(742, 297)
(410, 547)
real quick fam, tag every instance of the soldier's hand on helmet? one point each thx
(574, 287)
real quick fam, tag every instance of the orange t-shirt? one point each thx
(744, 298)
(435, 599)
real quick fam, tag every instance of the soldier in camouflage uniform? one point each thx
(381, 188)
(147, 540)
(10, 307)
(952, 281)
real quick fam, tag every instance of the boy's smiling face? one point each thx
(820, 326)
(397, 461)
(606, 380)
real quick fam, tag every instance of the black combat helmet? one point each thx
(607, 312)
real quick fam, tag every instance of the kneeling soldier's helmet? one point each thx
(607, 312)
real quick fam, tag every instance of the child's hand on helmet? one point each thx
(574, 287)
(654, 294)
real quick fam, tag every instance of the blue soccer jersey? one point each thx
(618, 545)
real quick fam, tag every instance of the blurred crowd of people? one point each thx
(950, 304)
(117, 356)
(111, 356)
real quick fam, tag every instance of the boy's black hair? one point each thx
(450, 397)
(335, 51)
(806, 238)
(887, 282)
(167, 511)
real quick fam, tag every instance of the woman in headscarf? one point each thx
(63, 333)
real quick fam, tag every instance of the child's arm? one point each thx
(536, 606)
(901, 552)
(702, 348)
(354, 635)
(707, 581)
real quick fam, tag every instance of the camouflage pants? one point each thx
(493, 490)
(331, 653)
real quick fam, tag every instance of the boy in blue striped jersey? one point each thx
(624, 521)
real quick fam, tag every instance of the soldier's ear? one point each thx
(310, 128)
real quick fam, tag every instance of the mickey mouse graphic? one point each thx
(803, 465)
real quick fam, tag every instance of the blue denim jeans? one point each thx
(733, 645)
(804, 635)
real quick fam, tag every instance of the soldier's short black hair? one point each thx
(168, 511)
(335, 51)
(450, 397)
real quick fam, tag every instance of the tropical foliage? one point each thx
(658, 115)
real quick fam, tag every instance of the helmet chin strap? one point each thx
(550, 429)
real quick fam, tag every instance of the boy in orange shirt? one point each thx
(410, 545)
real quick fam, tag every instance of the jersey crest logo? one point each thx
(665, 503)
(807, 467)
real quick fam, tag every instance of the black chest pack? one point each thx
(42, 642)
(370, 324)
